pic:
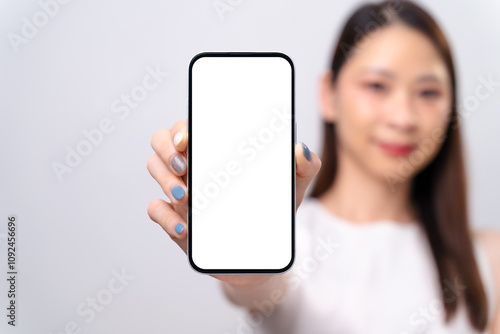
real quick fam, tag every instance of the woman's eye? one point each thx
(430, 93)
(378, 87)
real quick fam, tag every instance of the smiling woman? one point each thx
(393, 92)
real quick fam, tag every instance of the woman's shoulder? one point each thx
(489, 237)
(489, 241)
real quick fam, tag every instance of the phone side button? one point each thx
(295, 132)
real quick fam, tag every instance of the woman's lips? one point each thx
(395, 149)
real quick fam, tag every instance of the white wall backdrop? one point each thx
(79, 231)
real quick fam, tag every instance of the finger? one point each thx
(307, 162)
(172, 185)
(181, 210)
(176, 161)
(307, 166)
(179, 135)
(162, 213)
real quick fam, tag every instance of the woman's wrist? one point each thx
(272, 288)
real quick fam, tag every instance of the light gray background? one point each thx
(64, 80)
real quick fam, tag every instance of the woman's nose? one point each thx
(402, 114)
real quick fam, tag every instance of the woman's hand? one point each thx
(168, 166)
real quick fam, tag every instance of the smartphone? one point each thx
(241, 163)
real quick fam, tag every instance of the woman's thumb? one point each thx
(307, 165)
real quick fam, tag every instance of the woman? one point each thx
(383, 240)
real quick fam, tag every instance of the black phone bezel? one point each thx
(189, 181)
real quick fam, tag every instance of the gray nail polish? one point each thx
(178, 163)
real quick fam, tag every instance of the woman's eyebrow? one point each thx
(423, 78)
(428, 77)
(380, 71)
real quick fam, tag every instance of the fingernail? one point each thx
(307, 153)
(178, 137)
(178, 163)
(179, 228)
(177, 192)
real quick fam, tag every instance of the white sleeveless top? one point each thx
(369, 278)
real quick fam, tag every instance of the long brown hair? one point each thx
(439, 190)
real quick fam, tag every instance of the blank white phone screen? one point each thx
(241, 163)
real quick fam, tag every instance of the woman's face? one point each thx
(391, 103)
